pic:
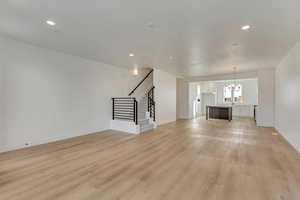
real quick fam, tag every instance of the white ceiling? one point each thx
(197, 34)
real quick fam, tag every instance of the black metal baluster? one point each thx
(153, 111)
(113, 108)
(136, 110)
(134, 113)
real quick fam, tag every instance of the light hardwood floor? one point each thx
(187, 159)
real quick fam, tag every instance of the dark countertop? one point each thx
(223, 106)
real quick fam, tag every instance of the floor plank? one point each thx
(187, 159)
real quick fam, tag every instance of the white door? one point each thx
(197, 108)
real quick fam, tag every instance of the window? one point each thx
(238, 97)
(233, 93)
(227, 94)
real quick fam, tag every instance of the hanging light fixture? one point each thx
(234, 76)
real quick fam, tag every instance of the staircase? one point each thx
(136, 113)
(145, 121)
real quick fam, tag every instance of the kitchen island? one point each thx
(219, 112)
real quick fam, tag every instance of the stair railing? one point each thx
(125, 108)
(140, 83)
(151, 103)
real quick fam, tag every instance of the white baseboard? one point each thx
(289, 140)
(43, 141)
(165, 122)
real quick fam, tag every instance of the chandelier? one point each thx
(232, 83)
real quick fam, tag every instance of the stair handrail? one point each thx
(140, 83)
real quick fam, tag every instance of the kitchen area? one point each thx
(241, 95)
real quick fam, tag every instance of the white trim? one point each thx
(125, 126)
(42, 141)
(289, 140)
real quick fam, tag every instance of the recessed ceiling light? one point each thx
(246, 27)
(131, 54)
(51, 23)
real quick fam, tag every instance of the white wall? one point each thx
(182, 99)
(266, 98)
(288, 97)
(165, 96)
(1, 98)
(250, 91)
(47, 95)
